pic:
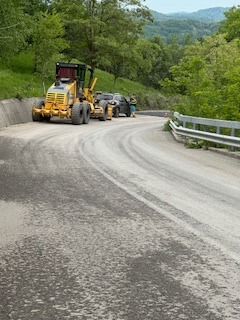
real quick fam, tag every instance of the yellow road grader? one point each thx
(68, 98)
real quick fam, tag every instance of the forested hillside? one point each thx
(205, 15)
(208, 75)
(182, 30)
(184, 25)
(86, 31)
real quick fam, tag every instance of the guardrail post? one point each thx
(233, 135)
(218, 132)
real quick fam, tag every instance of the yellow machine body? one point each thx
(67, 91)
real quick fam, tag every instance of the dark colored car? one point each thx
(118, 102)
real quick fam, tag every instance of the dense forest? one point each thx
(108, 34)
(181, 30)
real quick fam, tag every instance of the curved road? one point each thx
(116, 221)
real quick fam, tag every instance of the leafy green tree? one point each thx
(96, 29)
(152, 59)
(231, 25)
(31, 7)
(160, 61)
(13, 29)
(47, 40)
(145, 53)
(119, 62)
(175, 51)
(191, 79)
(207, 76)
(231, 92)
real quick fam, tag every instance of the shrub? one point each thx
(156, 101)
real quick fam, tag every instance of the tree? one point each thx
(231, 25)
(47, 39)
(13, 29)
(31, 7)
(207, 76)
(151, 60)
(93, 28)
(117, 63)
(146, 53)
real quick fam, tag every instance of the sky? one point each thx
(169, 6)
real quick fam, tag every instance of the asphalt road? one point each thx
(116, 221)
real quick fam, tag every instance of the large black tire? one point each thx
(77, 113)
(38, 104)
(128, 114)
(116, 112)
(104, 105)
(37, 117)
(86, 113)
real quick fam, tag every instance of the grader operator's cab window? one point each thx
(66, 72)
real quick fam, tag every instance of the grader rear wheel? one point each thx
(86, 113)
(104, 105)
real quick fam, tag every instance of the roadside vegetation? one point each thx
(18, 81)
(198, 78)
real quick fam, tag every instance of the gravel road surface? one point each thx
(116, 221)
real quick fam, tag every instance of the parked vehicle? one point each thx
(117, 100)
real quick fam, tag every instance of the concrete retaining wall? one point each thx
(14, 111)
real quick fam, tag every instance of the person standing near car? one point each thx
(133, 105)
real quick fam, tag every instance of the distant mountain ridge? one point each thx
(215, 14)
(184, 25)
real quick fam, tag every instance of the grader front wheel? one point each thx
(38, 105)
(77, 113)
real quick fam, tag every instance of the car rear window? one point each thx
(118, 98)
(104, 96)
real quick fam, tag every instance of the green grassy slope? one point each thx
(17, 80)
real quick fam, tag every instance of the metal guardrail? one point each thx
(217, 137)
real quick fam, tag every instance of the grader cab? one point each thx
(69, 98)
